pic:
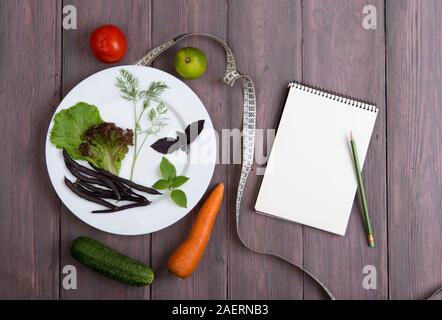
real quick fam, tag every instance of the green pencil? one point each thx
(361, 192)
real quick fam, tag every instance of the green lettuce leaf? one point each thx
(105, 145)
(70, 126)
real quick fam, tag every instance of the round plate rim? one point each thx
(49, 145)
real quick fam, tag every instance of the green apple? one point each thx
(190, 63)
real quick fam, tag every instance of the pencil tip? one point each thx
(351, 135)
(371, 241)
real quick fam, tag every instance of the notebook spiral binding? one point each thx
(358, 103)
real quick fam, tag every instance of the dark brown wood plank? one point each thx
(134, 19)
(340, 55)
(265, 37)
(171, 18)
(29, 89)
(414, 65)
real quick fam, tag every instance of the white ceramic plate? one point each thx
(184, 107)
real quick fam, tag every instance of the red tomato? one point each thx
(108, 43)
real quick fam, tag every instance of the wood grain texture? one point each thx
(29, 91)
(133, 17)
(171, 18)
(321, 42)
(340, 55)
(414, 74)
(266, 41)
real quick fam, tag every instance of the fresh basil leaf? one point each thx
(182, 137)
(179, 181)
(161, 184)
(185, 148)
(169, 145)
(182, 141)
(179, 197)
(166, 145)
(193, 130)
(167, 169)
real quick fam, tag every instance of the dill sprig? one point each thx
(155, 90)
(129, 85)
(130, 89)
(157, 118)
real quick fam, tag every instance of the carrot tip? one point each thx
(186, 257)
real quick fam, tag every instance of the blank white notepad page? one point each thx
(310, 176)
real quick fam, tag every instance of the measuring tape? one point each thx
(249, 125)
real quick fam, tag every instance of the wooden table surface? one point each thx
(398, 66)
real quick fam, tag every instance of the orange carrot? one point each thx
(187, 256)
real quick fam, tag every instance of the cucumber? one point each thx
(111, 263)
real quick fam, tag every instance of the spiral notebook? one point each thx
(310, 178)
